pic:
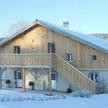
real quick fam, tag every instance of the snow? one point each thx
(18, 99)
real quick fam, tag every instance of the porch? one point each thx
(39, 77)
(21, 69)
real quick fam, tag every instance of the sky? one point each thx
(85, 16)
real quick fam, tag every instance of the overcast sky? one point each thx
(86, 16)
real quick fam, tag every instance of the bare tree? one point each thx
(101, 86)
(17, 26)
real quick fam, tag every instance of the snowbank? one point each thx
(17, 99)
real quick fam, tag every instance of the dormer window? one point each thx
(69, 57)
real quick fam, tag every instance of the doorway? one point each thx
(18, 78)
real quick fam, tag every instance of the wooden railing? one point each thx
(27, 59)
(74, 75)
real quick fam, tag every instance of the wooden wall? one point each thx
(36, 39)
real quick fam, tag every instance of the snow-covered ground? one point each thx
(16, 99)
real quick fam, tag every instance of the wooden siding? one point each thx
(82, 53)
(46, 60)
(26, 60)
(37, 38)
(74, 75)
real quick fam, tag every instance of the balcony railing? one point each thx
(26, 59)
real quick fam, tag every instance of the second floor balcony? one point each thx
(27, 60)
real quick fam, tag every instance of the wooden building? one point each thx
(53, 58)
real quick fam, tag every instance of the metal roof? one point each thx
(91, 41)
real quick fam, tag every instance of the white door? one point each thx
(18, 78)
(19, 83)
(54, 80)
(54, 84)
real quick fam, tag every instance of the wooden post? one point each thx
(50, 82)
(23, 79)
(1, 73)
(1, 78)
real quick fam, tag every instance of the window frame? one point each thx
(51, 47)
(69, 57)
(16, 49)
(94, 58)
(54, 76)
(17, 75)
(94, 76)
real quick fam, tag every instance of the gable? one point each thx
(25, 40)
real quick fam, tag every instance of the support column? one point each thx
(1, 73)
(23, 79)
(1, 79)
(49, 81)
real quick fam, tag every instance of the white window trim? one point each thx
(55, 75)
(70, 57)
(93, 61)
(94, 73)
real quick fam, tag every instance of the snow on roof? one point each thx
(1, 38)
(2, 42)
(91, 41)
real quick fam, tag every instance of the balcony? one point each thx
(26, 60)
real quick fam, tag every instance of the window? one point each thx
(93, 57)
(94, 76)
(53, 76)
(17, 75)
(69, 57)
(51, 48)
(16, 49)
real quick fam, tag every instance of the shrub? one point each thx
(76, 93)
(31, 83)
(81, 93)
(101, 86)
(7, 81)
(69, 90)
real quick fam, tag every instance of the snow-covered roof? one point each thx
(1, 38)
(91, 41)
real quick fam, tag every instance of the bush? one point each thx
(81, 93)
(31, 83)
(76, 93)
(7, 81)
(69, 90)
(101, 86)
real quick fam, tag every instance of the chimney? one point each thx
(66, 24)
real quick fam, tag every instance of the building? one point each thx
(53, 58)
(101, 35)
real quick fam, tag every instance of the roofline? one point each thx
(61, 31)
(5, 40)
(72, 37)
